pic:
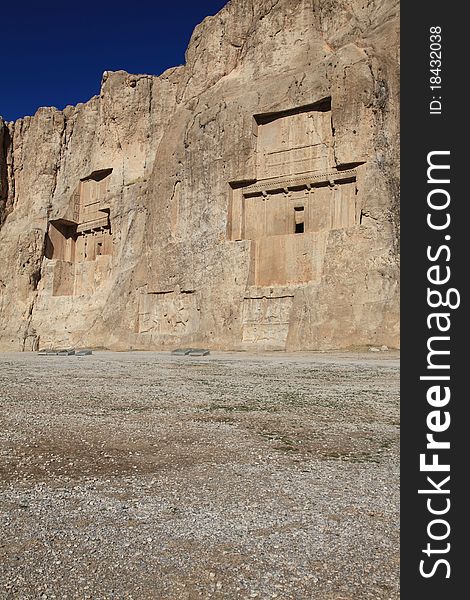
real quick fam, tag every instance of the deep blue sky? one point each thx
(53, 53)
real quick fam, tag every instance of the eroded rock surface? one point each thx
(246, 200)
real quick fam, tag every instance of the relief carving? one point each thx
(170, 312)
(295, 141)
(266, 321)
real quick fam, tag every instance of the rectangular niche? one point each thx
(60, 240)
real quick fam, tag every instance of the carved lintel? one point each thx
(307, 180)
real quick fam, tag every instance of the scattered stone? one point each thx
(191, 352)
(199, 352)
(57, 352)
(83, 352)
(66, 352)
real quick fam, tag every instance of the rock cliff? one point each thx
(245, 200)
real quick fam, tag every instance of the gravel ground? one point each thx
(145, 475)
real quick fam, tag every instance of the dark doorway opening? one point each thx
(299, 219)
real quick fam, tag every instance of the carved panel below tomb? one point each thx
(266, 321)
(168, 313)
(82, 244)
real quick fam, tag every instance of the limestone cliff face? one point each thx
(246, 200)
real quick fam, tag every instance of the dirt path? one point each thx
(145, 475)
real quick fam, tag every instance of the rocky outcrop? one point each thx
(246, 200)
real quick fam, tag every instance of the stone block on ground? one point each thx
(199, 352)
